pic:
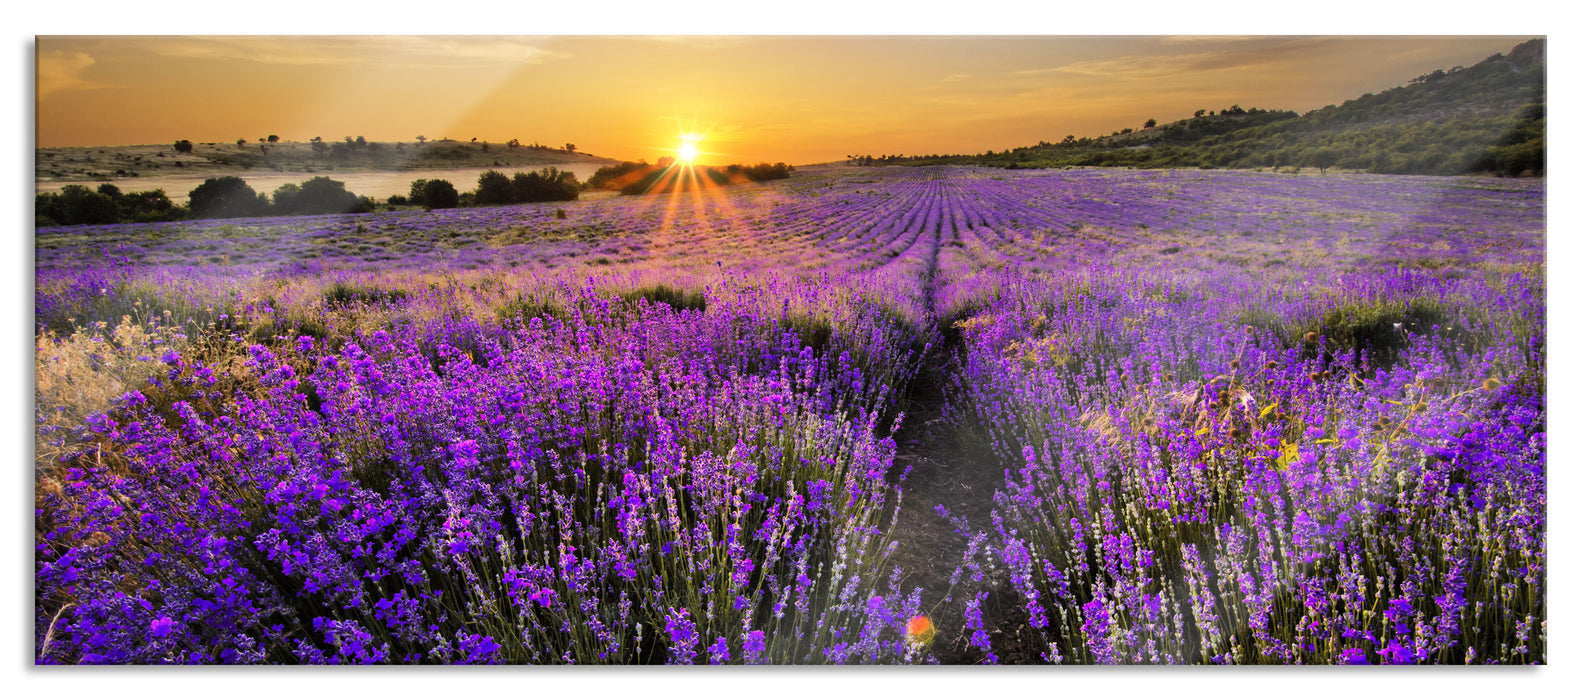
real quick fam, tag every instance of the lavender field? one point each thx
(1213, 417)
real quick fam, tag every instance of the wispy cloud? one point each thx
(1145, 66)
(1134, 67)
(486, 49)
(60, 70)
(359, 50)
(701, 42)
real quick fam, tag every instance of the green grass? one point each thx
(342, 294)
(675, 297)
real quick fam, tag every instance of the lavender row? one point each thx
(1224, 471)
(629, 483)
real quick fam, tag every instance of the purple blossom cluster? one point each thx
(1233, 417)
(629, 484)
(1187, 481)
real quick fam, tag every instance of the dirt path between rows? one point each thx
(946, 471)
(942, 473)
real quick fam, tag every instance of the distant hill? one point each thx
(88, 164)
(1485, 118)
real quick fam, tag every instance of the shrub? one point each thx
(494, 188)
(439, 194)
(76, 204)
(321, 195)
(343, 294)
(676, 298)
(224, 197)
(152, 205)
(615, 177)
(547, 185)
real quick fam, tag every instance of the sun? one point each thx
(688, 150)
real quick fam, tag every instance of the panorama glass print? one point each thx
(1015, 350)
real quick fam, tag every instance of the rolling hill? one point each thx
(1489, 117)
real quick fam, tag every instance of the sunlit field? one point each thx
(1216, 417)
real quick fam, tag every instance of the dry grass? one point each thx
(82, 373)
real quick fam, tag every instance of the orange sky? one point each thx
(793, 99)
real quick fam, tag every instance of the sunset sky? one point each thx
(793, 99)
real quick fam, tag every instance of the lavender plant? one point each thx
(1231, 417)
(573, 492)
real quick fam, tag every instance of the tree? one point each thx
(571, 148)
(547, 185)
(285, 198)
(322, 195)
(440, 194)
(183, 146)
(615, 177)
(223, 197)
(415, 194)
(1324, 159)
(513, 143)
(152, 205)
(494, 188)
(763, 171)
(241, 143)
(74, 205)
(1516, 159)
(273, 138)
(361, 143)
(420, 140)
(525, 187)
(1198, 113)
(1151, 123)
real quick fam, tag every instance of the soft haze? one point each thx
(792, 99)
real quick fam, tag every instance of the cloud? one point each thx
(701, 42)
(1136, 66)
(1146, 66)
(483, 49)
(60, 70)
(358, 50)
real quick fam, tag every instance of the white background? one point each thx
(1045, 17)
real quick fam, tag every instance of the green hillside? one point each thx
(1489, 117)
